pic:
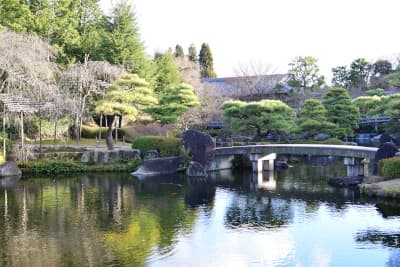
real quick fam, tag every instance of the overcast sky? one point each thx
(273, 31)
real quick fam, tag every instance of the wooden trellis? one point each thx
(15, 104)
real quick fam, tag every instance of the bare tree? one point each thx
(254, 80)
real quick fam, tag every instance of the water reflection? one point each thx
(287, 218)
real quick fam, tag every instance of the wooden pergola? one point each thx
(19, 105)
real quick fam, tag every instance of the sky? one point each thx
(272, 32)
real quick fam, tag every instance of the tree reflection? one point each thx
(254, 212)
(377, 237)
(90, 220)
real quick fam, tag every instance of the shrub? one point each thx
(390, 168)
(165, 145)
(1, 157)
(377, 91)
(92, 131)
(9, 146)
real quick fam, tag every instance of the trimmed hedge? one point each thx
(167, 146)
(390, 168)
(90, 131)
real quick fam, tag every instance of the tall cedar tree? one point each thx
(206, 62)
(192, 54)
(179, 51)
(166, 73)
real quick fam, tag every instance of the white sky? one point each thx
(273, 31)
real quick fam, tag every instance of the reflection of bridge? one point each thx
(356, 158)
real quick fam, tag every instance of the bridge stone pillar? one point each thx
(356, 166)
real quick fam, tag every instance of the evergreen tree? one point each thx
(263, 117)
(341, 111)
(175, 104)
(123, 44)
(313, 118)
(127, 97)
(15, 15)
(43, 17)
(192, 53)
(179, 51)
(166, 74)
(206, 62)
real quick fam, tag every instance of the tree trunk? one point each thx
(109, 138)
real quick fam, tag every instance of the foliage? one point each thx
(313, 118)
(2, 159)
(9, 144)
(329, 141)
(369, 105)
(263, 117)
(390, 168)
(377, 91)
(341, 111)
(174, 105)
(359, 73)
(166, 74)
(179, 51)
(92, 131)
(393, 79)
(166, 146)
(304, 73)
(125, 98)
(206, 62)
(15, 15)
(382, 67)
(58, 166)
(32, 128)
(340, 76)
(192, 54)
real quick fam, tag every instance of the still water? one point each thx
(234, 219)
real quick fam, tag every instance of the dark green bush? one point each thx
(165, 145)
(330, 141)
(91, 131)
(390, 168)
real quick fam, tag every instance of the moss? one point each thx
(166, 146)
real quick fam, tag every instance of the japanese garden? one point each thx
(112, 155)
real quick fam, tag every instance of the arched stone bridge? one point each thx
(356, 158)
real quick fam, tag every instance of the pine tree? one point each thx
(313, 119)
(127, 97)
(175, 104)
(192, 53)
(179, 51)
(206, 62)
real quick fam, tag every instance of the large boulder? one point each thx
(195, 169)
(385, 151)
(9, 169)
(385, 138)
(159, 166)
(201, 146)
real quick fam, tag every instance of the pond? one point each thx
(291, 218)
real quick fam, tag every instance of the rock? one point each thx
(385, 138)
(385, 151)
(9, 169)
(151, 154)
(85, 158)
(346, 181)
(282, 164)
(159, 166)
(397, 140)
(321, 137)
(9, 182)
(195, 169)
(201, 146)
(373, 179)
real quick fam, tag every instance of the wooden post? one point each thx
(40, 133)
(4, 133)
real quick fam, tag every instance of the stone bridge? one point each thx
(356, 158)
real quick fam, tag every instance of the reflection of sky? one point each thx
(324, 237)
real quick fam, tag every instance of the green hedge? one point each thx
(90, 131)
(64, 166)
(167, 146)
(390, 168)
